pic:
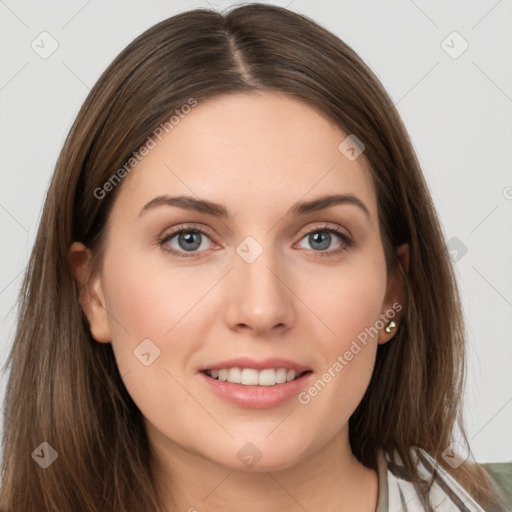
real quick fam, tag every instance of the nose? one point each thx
(260, 299)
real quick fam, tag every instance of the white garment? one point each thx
(446, 494)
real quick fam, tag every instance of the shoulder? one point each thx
(398, 492)
(500, 474)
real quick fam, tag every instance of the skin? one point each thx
(257, 154)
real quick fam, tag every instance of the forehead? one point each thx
(256, 151)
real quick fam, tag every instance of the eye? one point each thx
(186, 240)
(193, 240)
(321, 238)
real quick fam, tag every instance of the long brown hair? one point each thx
(65, 389)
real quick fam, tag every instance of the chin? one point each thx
(259, 456)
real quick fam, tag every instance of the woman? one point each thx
(184, 343)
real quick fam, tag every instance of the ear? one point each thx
(393, 305)
(92, 299)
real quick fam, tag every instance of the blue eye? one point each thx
(321, 238)
(191, 240)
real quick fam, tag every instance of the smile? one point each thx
(252, 377)
(253, 395)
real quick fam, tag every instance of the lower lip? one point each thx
(257, 397)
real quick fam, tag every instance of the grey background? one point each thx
(458, 112)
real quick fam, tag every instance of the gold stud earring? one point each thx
(391, 325)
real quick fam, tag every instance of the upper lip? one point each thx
(262, 364)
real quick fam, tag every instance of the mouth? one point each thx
(263, 388)
(251, 377)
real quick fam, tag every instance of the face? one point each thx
(183, 290)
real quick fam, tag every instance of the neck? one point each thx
(328, 479)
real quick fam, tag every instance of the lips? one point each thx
(257, 396)
(262, 364)
(257, 384)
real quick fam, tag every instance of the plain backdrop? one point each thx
(456, 103)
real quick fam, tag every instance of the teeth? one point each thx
(235, 375)
(281, 375)
(251, 377)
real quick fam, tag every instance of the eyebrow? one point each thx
(220, 211)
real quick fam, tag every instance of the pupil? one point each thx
(191, 241)
(316, 237)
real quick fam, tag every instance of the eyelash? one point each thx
(345, 239)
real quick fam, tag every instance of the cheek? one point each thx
(346, 300)
(148, 302)
(150, 299)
